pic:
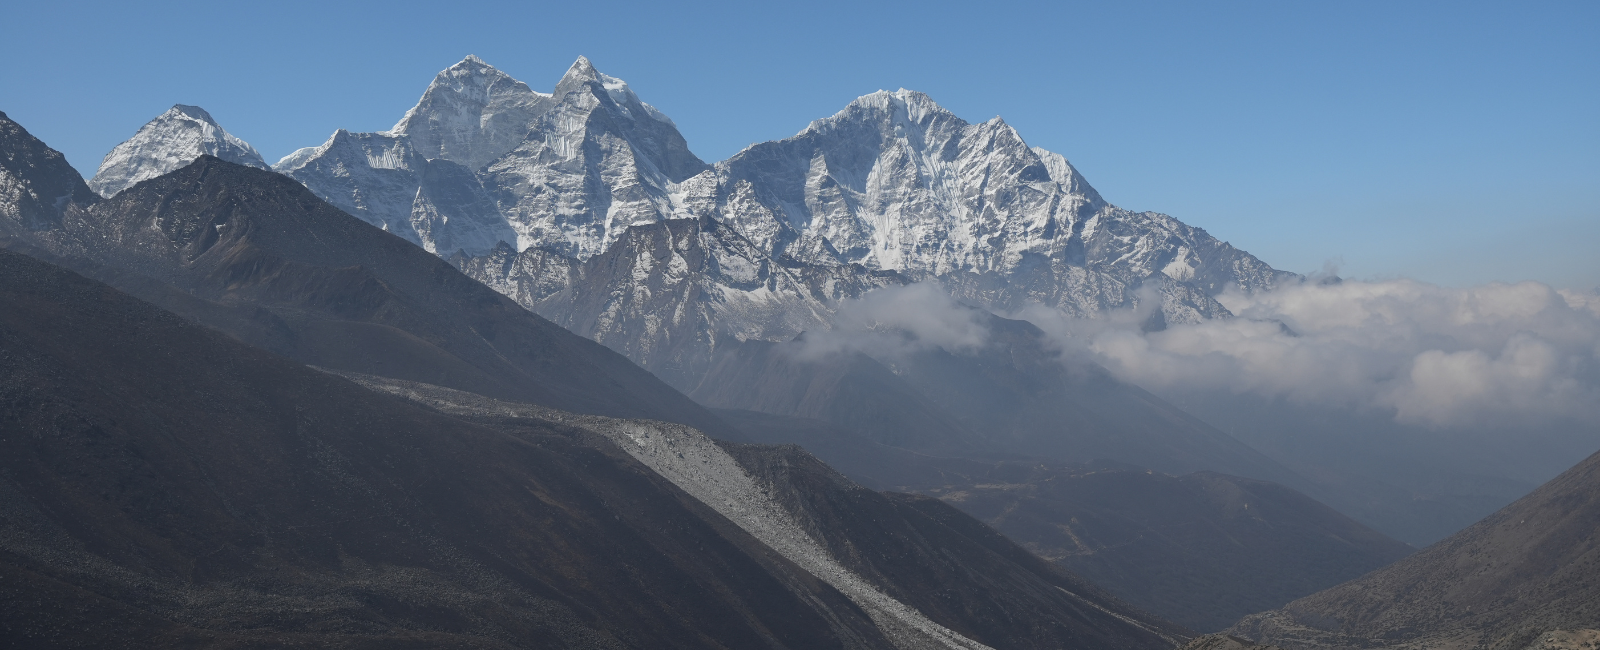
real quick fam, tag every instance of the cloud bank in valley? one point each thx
(889, 322)
(1492, 355)
(1496, 355)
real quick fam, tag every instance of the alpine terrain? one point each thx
(586, 206)
(339, 440)
(522, 189)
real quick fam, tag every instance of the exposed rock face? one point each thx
(595, 161)
(894, 181)
(569, 171)
(37, 186)
(669, 294)
(471, 115)
(1528, 569)
(380, 178)
(174, 139)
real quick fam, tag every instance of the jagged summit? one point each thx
(36, 184)
(483, 159)
(171, 140)
(193, 111)
(471, 114)
(581, 70)
(582, 74)
(909, 104)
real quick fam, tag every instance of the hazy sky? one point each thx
(1452, 142)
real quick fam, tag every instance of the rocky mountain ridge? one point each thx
(483, 167)
(37, 186)
(255, 254)
(181, 476)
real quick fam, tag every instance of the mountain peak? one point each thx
(193, 112)
(36, 183)
(171, 140)
(581, 70)
(471, 65)
(471, 114)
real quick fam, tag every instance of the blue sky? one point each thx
(1450, 142)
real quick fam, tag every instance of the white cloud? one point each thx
(892, 320)
(1490, 355)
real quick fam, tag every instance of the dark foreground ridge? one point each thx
(1201, 549)
(163, 484)
(166, 485)
(1529, 569)
(255, 254)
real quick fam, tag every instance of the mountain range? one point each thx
(586, 206)
(255, 255)
(523, 367)
(265, 468)
(521, 189)
(688, 263)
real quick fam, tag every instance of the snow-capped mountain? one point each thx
(381, 178)
(525, 190)
(896, 182)
(418, 179)
(596, 161)
(568, 171)
(471, 114)
(174, 139)
(668, 294)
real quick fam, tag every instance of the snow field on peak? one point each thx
(170, 141)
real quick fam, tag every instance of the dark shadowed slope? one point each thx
(942, 564)
(36, 183)
(1201, 549)
(1531, 568)
(166, 485)
(848, 389)
(1013, 397)
(919, 547)
(257, 255)
(1027, 398)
